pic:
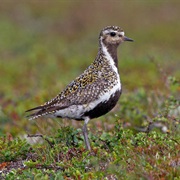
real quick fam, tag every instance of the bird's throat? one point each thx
(110, 50)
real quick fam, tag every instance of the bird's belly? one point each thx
(103, 107)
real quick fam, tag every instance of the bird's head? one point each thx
(112, 36)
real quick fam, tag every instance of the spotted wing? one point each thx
(83, 90)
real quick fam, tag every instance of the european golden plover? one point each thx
(95, 92)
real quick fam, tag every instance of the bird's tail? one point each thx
(37, 112)
(44, 110)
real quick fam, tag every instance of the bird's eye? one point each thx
(120, 35)
(112, 34)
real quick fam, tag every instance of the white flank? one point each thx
(76, 111)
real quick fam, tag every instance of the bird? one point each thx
(93, 93)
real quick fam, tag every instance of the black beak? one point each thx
(128, 39)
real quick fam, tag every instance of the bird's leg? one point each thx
(85, 134)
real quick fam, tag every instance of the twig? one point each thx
(40, 135)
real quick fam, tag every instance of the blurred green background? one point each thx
(46, 44)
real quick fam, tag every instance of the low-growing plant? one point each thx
(12, 149)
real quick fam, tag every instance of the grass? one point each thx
(44, 46)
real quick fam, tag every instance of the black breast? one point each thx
(103, 107)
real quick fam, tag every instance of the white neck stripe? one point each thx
(109, 58)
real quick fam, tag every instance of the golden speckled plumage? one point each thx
(96, 91)
(97, 79)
